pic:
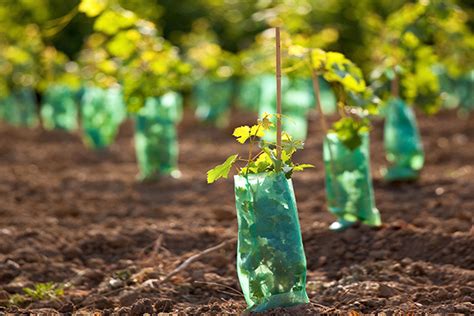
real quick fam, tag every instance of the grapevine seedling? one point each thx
(262, 155)
(40, 292)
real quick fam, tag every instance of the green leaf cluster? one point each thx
(411, 41)
(265, 160)
(207, 57)
(127, 50)
(259, 58)
(57, 69)
(19, 58)
(349, 131)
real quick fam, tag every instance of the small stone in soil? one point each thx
(164, 305)
(141, 307)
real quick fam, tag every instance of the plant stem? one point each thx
(394, 86)
(278, 83)
(318, 99)
(317, 92)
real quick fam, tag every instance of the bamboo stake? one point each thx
(317, 92)
(318, 99)
(278, 84)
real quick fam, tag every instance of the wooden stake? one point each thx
(278, 84)
(318, 99)
(324, 125)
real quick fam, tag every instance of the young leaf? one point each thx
(92, 8)
(349, 131)
(110, 22)
(290, 145)
(302, 166)
(265, 121)
(222, 170)
(318, 58)
(242, 133)
(257, 130)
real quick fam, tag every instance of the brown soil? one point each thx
(79, 218)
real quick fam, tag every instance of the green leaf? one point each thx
(290, 145)
(242, 133)
(348, 131)
(93, 8)
(110, 22)
(124, 43)
(302, 166)
(221, 171)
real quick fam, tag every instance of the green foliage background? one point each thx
(352, 27)
(234, 22)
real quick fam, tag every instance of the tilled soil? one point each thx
(80, 219)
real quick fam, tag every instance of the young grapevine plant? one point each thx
(145, 63)
(408, 44)
(262, 155)
(355, 102)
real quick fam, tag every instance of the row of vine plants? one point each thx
(127, 68)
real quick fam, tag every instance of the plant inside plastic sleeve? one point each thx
(297, 99)
(456, 92)
(102, 112)
(328, 98)
(349, 189)
(59, 109)
(6, 106)
(249, 93)
(19, 109)
(213, 100)
(271, 263)
(402, 142)
(156, 141)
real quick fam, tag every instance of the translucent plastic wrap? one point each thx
(156, 142)
(297, 99)
(349, 189)
(59, 109)
(102, 112)
(213, 100)
(19, 109)
(402, 142)
(249, 93)
(271, 263)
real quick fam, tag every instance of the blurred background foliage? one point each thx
(234, 23)
(224, 27)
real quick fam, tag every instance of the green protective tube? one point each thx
(402, 142)
(4, 107)
(156, 142)
(465, 91)
(102, 112)
(456, 92)
(297, 99)
(271, 263)
(59, 109)
(213, 100)
(249, 93)
(328, 98)
(349, 191)
(19, 109)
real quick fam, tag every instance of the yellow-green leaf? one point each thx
(110, 22)
(222, 170)
(93, 8)
(242, 133)
(302, 166)
(257, 130)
